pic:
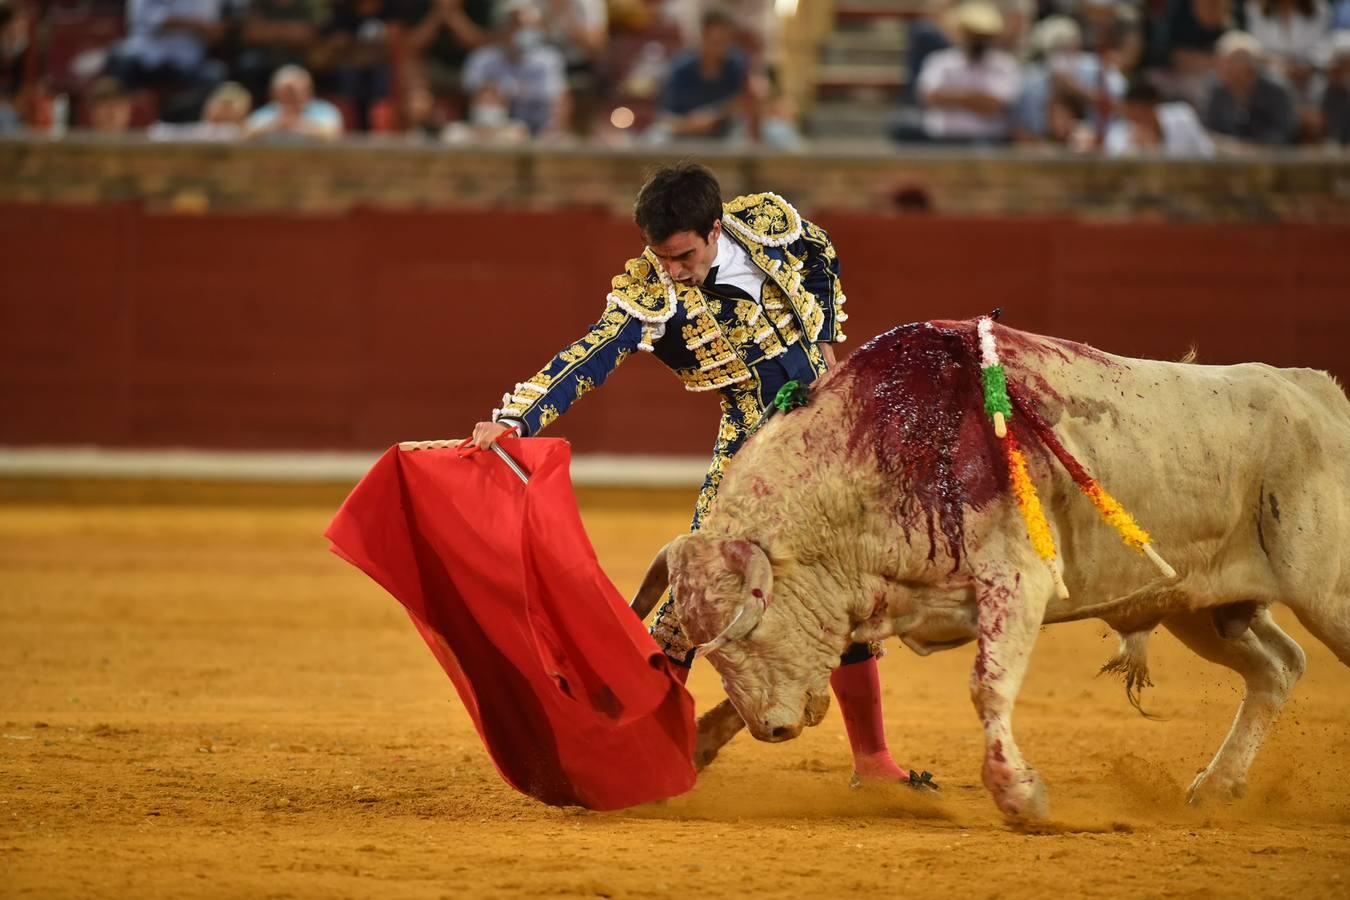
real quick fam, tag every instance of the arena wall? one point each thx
(1305, 186)
(126, 327)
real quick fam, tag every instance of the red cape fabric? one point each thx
(571, 696)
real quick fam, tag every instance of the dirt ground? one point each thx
(198, 699)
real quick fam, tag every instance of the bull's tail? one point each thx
(1131, 663)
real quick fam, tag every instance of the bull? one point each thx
(882, 508)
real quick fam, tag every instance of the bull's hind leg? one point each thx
(1270, 663)
(1011, 606)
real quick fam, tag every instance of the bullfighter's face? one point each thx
(773, 657)
(687, 255)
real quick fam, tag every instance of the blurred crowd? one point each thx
(1169, 77)
(1174, 77)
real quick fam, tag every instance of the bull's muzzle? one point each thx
(776, 734)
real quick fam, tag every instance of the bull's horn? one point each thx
(746, 618)
(653, 585)
(749, 559)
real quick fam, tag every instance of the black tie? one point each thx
(725, 290)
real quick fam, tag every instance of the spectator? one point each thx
(925, 36)
(1112, 30)
(1307, 86)
(1244, 101)
(1018, 17)
(294, 114)
(778, 126)
(15, 23)
(1185, 44)
(1063, 68)
(442, 35)
(1336, 98)
(1290, 29)
(1068, 122)
(1151, 127)
(166, 47)
(109, 107)
(223, 118)
(522, 71)
(275, 33)
(489, 122)
(968, 92)
(578, 29)
(421, 117)
(355, 54)
(706, 87)
(930, 33)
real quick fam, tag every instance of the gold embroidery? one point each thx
(714, 379)
(763, 218)
(748, 404)
(641, 291)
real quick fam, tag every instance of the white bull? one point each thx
(882, 508)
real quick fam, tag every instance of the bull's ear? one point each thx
(737, 553)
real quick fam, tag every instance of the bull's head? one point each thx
(771, 652)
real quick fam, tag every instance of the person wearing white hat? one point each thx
(1244, 100)
(968, 92)
(1063, 70)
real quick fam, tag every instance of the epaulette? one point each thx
(645, 293)
(765, 218)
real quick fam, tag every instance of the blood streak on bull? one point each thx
(920, 399)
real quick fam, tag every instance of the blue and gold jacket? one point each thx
(710, 342)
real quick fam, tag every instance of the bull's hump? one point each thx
(920, 413)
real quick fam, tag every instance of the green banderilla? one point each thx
(790, 396)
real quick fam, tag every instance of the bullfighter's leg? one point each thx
(1011, 606)
(857, 687)
(1270, 663)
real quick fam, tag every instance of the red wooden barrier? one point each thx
(124, 328)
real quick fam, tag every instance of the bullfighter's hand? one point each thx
(485, 434)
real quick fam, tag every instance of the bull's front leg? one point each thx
(716, 728)
(1010, 606)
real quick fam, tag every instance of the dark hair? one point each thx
(682, 197)
(1306, 8)
(1141, 91)
(717, 16)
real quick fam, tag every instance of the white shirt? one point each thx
(734, 266)
(1182, 134)
(996, 74)
(1293, 37)
(180, 49)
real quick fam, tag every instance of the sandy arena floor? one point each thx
(202, 701)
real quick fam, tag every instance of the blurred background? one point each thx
(317, 227)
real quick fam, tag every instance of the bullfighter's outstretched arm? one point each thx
(574, 372)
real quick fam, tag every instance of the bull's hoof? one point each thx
(1019, 795)
(1209, 788)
